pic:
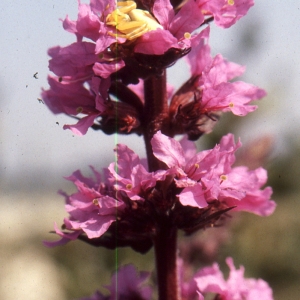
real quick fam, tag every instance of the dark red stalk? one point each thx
(155, 113)
(156, 118)
(165, 246)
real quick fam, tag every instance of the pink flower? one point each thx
(129, 282)
(236, 287)
(73, 98)
(96, 204)
(212, 76)
(84, 68)
(208, 175)
(130, 176)
(225, 12)
(75, 60)
(177, 28)
(92, 210)
(77, 64)
(126, 283)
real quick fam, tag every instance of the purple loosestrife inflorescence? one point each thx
(208, 175)
(92, 209)
(128, 284)
(204, 181)
(95, 70)
(113, 79)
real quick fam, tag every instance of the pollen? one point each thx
(197, 166)
(79, 109)
(95, 202)
(129, 186)
(231, 105)
(223, 177)
(230, 2)
(187, 35)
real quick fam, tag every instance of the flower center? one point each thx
(79, 109)
(129, 186)
(130, 21)
(95, 202)
(223, 177)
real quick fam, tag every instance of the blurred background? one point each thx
(36, 153)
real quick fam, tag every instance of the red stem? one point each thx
(155, 118)
(155, 113)
(165, 247)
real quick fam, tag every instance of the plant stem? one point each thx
(165, 254)
(155, 118)
(155, 113)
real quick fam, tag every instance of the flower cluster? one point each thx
(113, 79)
(127, 283)
(211, 280)
(206, 281)
(92, 74)
(207, 175)
(191, 181)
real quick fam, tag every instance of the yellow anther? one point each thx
(230, 2)
(79, 109)
(223, 177)
(197, 166)
(129, 186)
(187, 35)
(95, 202)
(231, 105)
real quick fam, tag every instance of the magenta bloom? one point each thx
(126, 283)
(72, 98)
(208, 175)
(177, 29)
(91, 209)
(84, 68)
(97, 204)
(130, 176)
(236, 287)
(212, 80)
(225, 12)
(90, 70)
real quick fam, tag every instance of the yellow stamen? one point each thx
(128, 186)
(79, 109)
(231, 105)
(187, 35)
(223, 177)
(230, 2)
(95, 202)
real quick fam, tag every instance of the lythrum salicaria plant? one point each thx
(113, 79)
